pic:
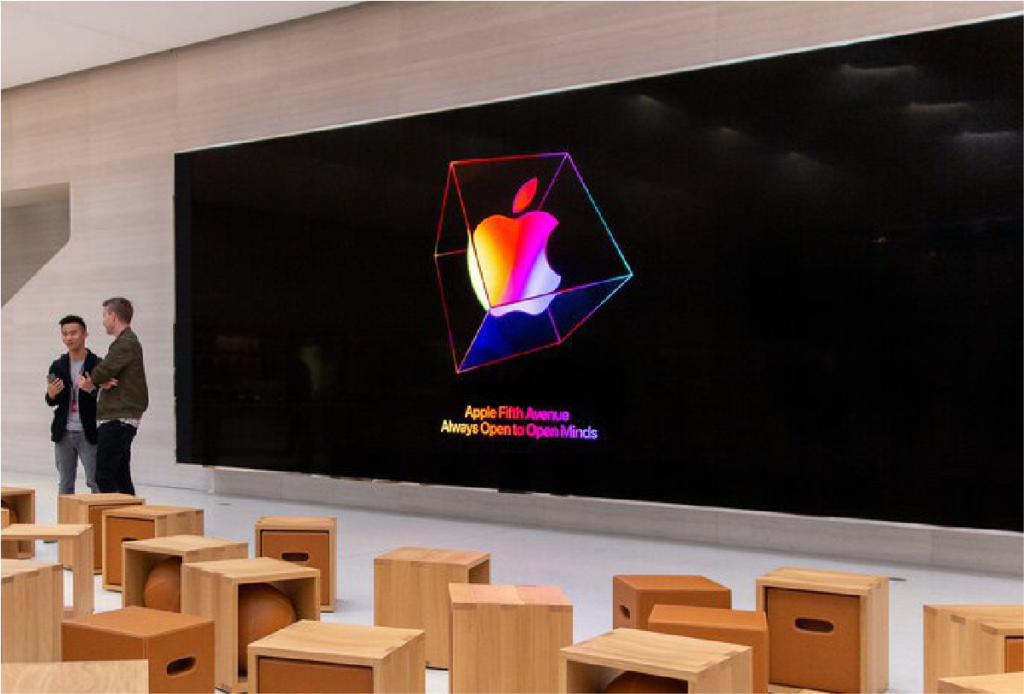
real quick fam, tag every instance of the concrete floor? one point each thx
(580, 564)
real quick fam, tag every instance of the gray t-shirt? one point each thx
(74, 417)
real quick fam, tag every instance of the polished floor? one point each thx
(580, 564)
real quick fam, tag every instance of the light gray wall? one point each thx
(111, 133)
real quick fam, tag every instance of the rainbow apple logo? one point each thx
(501, 297)
(508, 259)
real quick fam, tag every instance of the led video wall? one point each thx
(790, 284)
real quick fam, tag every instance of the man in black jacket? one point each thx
(73, 431)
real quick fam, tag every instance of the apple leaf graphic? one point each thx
(525, 196)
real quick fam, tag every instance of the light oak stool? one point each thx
(704, 666)
(410, 590)
(964, 640)
(827, 630)
(32, 595)
(20, 503)
(78, 539)
(507, 638)
(210, 589)
(1004, 683)
(95, 677)
(140, 556)
(89, 508)
(322, 657)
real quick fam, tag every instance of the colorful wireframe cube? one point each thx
(515, 284)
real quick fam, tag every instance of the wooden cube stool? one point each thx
(828, 630)
(20, 503)
(951, 640)
(210, 589)
(634, 596)
(965, 640)
(78, 538)
(179, 647)
(96, 677)
(32, 596)
(507, 638)
(321, 657)
(142, 523)
(303, 540)
(410, 590)
(698, 665)
(1004, 683)
(741, 627)
(89, 508)
(140, 556)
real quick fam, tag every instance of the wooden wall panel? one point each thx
(952, 11)
(44, 136)
(343, 66)
(213, 107)
(755, 30)
(6, 144)
(111, 133)
(131, 108)
(678, 36)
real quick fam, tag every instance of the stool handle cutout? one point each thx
(819, 626)
(624, 610)
(181, 666)
(295, 556)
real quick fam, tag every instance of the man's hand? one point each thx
(109, 384)
(54, 388)
(86, 384)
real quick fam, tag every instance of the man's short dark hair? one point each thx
(120, 307)
(73, 319)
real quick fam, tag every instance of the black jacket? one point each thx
(61, 368)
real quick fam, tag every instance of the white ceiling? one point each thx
(45, 39)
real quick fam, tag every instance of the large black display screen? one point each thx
(791, 284)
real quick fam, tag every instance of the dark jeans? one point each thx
(114, 457)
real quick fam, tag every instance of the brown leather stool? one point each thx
(634, 596)
(304, 540)
(179, 647)
(142, 522)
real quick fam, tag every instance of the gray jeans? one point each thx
(67, 451)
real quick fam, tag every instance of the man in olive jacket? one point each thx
(119, 409)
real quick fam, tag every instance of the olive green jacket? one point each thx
(130, 397)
